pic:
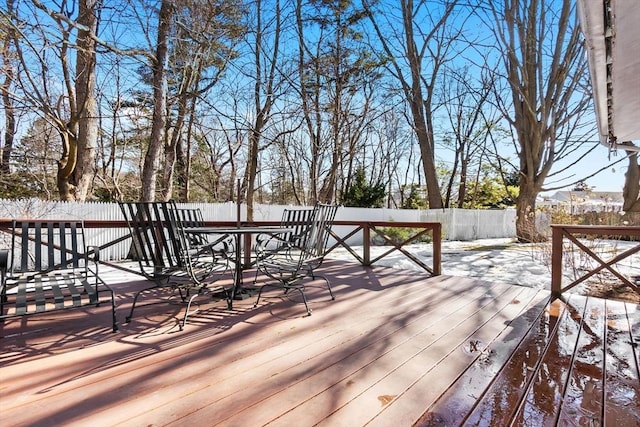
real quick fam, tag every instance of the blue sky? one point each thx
(610, 179)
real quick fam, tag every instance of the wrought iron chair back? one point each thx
(164, 253)
(302, 255)
(298, 221)
(316, 238)
(192, 218)
(157, 243)
(221, 248)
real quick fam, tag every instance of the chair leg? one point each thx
(133, 306)
(264, 286)
(328, 286)
(187, 312)
(304, 298)
(259, 295)
(286, 288)
(135, 300)
(183, 297)
(201, 291)
(318, 276)
(113, 312)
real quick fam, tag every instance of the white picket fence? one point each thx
(457, 224)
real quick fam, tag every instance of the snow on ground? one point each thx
(497, 260)
(504, 260)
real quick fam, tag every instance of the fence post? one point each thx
(366, 244)
(436, 240)
(556, 260)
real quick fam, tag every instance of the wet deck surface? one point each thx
(395, 348)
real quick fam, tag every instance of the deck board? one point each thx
(582, 400)
(381, 370)
(394, 348)
(543, 396)
(498, 403)
(303, 368)
(426, 372)
(622, 381)
(462, 397)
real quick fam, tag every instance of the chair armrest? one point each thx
(267, 237)
(269, 244)
(92, 255)
(222, 246)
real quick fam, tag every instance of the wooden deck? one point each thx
(396, 348)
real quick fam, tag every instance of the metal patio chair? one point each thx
(299, 256)
(167, 257)
(203, 244)
(298, 220)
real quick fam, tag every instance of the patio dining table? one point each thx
(239, 292)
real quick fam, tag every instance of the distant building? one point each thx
(578, 202)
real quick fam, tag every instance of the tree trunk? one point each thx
(66, 165)
(172, 149)
(252, 166)
(631, 190)
(419, 86)
(261, 90)
(427, 149)
(87, 136)
(170, 156)
(185, 170)
(462, 188)
(525, 214)
(7, 102)
(152, 158)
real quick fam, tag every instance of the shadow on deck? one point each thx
(395, 348)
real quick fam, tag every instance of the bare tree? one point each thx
(545, 66)
(213, 163)
(7, 38)
(35, 160)
(156, 140)
(337, 75)
(267, 33)
(203, 36)
(465, 100)
(120, 147)
(418, 39)
(70, 102)
(85, 83)
(396, 153)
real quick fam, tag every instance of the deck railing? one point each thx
(342, 232)
(574, 233)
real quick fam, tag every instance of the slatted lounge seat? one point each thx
(49, 267)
